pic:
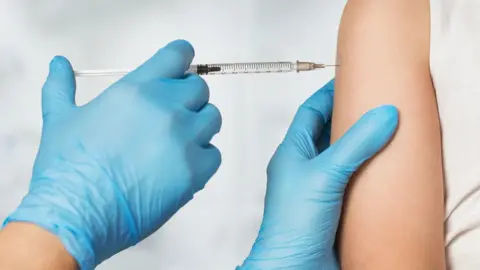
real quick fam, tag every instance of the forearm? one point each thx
(393, 214)
(25, 246)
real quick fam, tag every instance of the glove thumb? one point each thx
(309, 123)
(58, 92)
(170, 62)
(363, 140)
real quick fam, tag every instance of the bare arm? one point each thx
(25, 246)
(394, 209)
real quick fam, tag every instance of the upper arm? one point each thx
(394, 209)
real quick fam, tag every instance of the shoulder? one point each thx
(396, 24)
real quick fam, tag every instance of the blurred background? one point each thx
(217, 229)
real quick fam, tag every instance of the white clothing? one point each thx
(455, 68)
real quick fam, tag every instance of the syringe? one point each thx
(224, 69)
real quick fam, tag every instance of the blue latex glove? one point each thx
(111, 172)
(306, 184)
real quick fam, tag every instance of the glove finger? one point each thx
(363, 140)
(208, 124)
(191, 92)
(171, 61)
(323, 141)
(195, 94)
(205, 163)
(310, 120)
(58, 92)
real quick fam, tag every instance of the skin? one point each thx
(394, 209)
(25, 246)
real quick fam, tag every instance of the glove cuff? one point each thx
(56, 204)
(74, 241)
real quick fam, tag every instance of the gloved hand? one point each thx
(111, 172)
(306, 184)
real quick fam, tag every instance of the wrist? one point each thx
(55, 216)
(83, 208)
(58, 205)
(43, 249)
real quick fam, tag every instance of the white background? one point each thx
(217, 229)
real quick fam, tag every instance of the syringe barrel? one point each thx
(242, 68)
